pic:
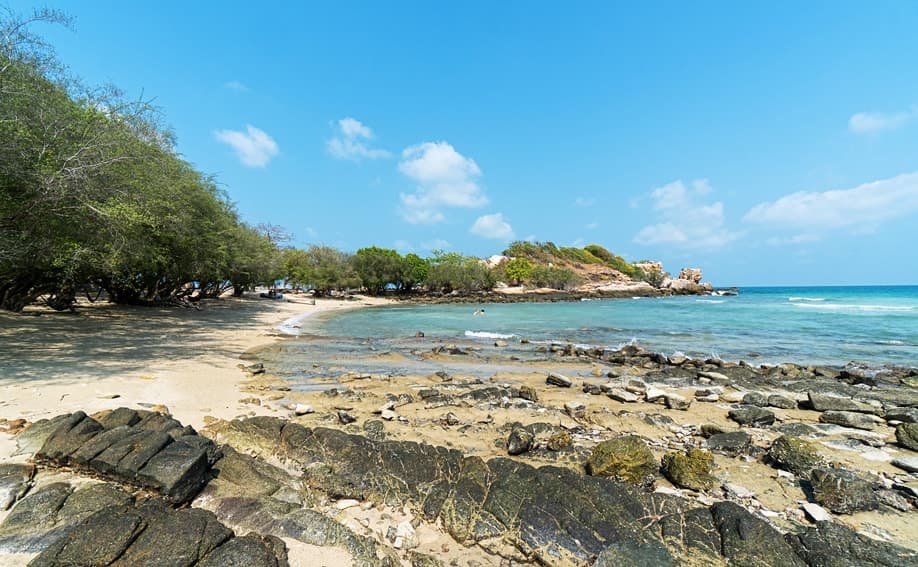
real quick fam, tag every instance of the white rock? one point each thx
(622, 396)
(575, 409)
(816, 512)
(653, 394)
(388, 414)
(303, 409)
(346, 503)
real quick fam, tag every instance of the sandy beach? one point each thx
(107, 356)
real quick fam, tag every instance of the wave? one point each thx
(858, 307)
(488, 335)
(710, 300)
(806, 298)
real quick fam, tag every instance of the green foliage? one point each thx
(614, 261)
(579, 255)
(378, 268)
(451, 271)
(518, 270)
(553, 277)
(326, 269)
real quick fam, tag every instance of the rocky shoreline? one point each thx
(611, 458)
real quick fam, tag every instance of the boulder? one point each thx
(576, 410)
(529, 393)
(15, 480)
(559, 440)
(795, 455)
(752, 416)
(690, 469)
(653, 394)
(622, 396)
(626, 458)
(755, 399)
(750, 540)
(677, 402)
(826, 402)
(842, 491)
(906, 436)
(251, 550)
(733, 443)
(905, 415)
(783, 402)
(849, 419)
(555, 379)
(831, 544)
(519, 441)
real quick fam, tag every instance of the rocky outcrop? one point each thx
(690, 274)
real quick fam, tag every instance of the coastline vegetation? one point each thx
(95, 199)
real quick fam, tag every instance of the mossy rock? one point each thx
(560, 440)
(795, 455)
(691, 469)
(626, 458)
(907, 435)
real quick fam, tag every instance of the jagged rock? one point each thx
(677, 402)
(15, 480)
(849, 419)
(691, 469)
(841, 491)
(636, 387)
(178, 471)
(555, 379)
(905, 415)
(519, 441)
(783, 402)
(906, 436)
(795, 455)
(755, 399)
(752, 416)
(529, 393)
(732, 443)
(825, 402)
(830, 544)
(626, 458)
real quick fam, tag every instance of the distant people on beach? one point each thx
(479, 311)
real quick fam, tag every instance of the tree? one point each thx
(518, 270)
(379, 268)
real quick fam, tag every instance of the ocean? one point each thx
(762, 325)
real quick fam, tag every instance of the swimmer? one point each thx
(479, 312)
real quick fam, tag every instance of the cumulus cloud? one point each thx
(871, 122)
(350, 141)
(861, 208)
(445, 178)
(683, 221)
(254, 147)
(492, 226)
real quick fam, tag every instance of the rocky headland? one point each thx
(607, 458)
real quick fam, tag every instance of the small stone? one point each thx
(559, 380)
(529, 393)
(677, 360)
(691, 469)
(576, 410)
(825, 402)
(677, 402)
(622, 396)
(303, 409)
(732, 443)
(752, 416)
(345, 418)
(796, 455)
(500, 343)
(519, 441)
(907, 435)
(388, 414)
(346, 503)
(816, 513)
(558, 441)
(905, 415)
(755, 399)
(716, 377)
(419, 335)
(653, 395)
(636, 387)
(592, 389)
(849, 419)
(782, 402)
(450, 419)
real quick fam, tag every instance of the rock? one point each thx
(752, 416)
(450, 419)
(716, 377)
(500, 343)
(99, 540)
(677, 402)
(419, 334)
(653, 395)
(303, 409)
(592, 389)
(748, 540)
(623, 396)
(677, 359)
(636, 387)
(635, 554)
(907, 435)
(178, 471)
(905, 415)
(783, 402)
(520, 441)
(691, 469)
(825, 402)
(816, 513)
(849, 419)
(559, 440)
(733, 443)
(529, 393)
(755, 399)
(345, 418)
(795, 455)
(842, 491)
(15, 480)
(576, 410)
(555, 379)
(908, 464)
(248, 551)
(831, 544)
(626, 458)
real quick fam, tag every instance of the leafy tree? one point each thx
(518, 270)
(451, 271)
(378, 268)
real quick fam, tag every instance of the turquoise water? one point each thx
(820, 325)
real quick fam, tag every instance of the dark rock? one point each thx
(519, 442)
(31, 440)
(709, 429)
(691, 469)
(374, 429)
(905, 415)
(154, 421)
(796, 429)
(529, 393)
(907, 435)
(732, 444)
(755, 399)
(635, 554)
(748, 540)
(95, 446)
(841, 491)
(831, 544)
(825, 402)
(178, 471)
(38, 510)
(894, 499)
(752, 416)
(559, 440)
(345, 418)
(90, 499)
(68, 437)
(248, 551)
(626, 458)
(783, 402)
(559, 380)
(908, 464)
(15, 480)
(592, 389)
(795, 455)
(848, 419)
(98, 540)
(118, 417)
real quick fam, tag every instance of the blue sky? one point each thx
(765, 142)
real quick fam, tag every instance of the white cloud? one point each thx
(237, 86)
(683, 221)
(584, 201)
(862, 208)
(870, 122)
(254, 147)
(492, 226)
(403, 246)
(445, 178)
(436, 244)
(592, 226)
(349, 142)
(803, 238)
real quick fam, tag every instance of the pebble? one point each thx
(303, 409)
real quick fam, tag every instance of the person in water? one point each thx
(479, 311)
